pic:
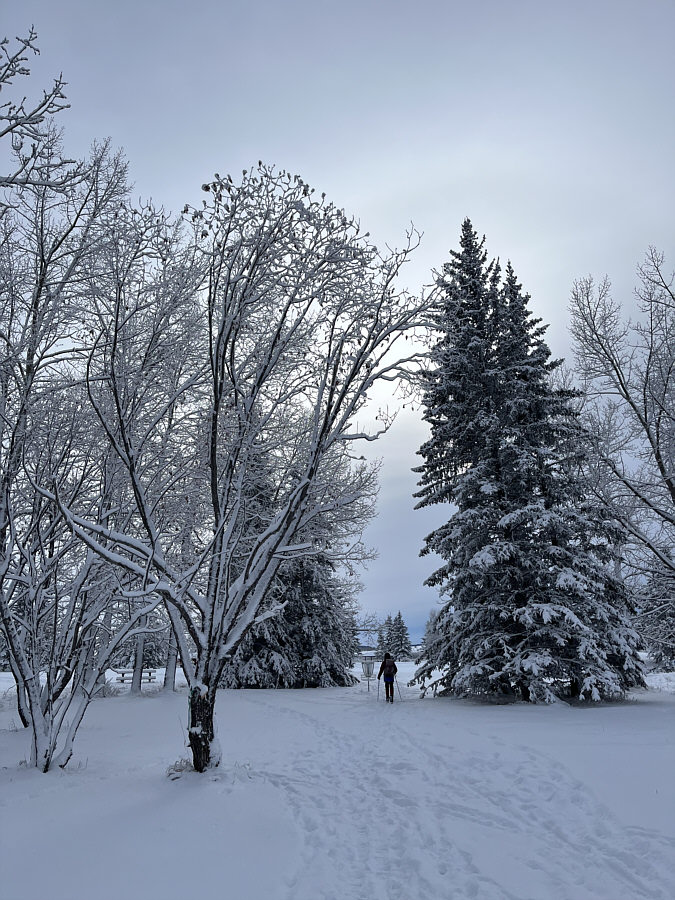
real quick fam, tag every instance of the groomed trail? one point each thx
(332, 795)
(443, 799)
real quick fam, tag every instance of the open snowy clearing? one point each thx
(329, 794)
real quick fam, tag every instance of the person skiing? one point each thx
(389, 670)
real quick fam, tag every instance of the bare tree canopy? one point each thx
(28, 125)
(255, 340)
(628, 367)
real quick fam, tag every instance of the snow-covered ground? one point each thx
(331, 794)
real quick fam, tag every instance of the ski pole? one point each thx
(399, 689)
(378, 688)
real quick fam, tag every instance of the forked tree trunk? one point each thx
(42, 747)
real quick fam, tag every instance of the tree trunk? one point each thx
(171, 657)
(138, 662)
(89, 664)
(22, 704)
(42, 747)
(21, 698)
(200, 730)
(76, 720)
(101, 646)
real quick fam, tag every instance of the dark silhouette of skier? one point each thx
(389, 670)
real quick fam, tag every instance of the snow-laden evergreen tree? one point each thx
(383, 637)
(311, 643)
(425, 651)
(533, 608)
(308, 633)
(398, 639)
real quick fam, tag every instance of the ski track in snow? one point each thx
(332, 795)
(442, 822)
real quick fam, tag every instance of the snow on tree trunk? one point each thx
(22, 707)
(171, 661)
(137, 677)
(41, 751)
(201, 730)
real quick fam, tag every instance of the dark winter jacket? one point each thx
(388, 669)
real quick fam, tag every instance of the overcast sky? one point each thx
(551, 125)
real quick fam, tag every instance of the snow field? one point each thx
(328, 794)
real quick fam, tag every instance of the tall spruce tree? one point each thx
(532, 608)
(398, 642)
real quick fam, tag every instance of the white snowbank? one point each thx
(329, 794)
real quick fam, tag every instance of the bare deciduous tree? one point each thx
(628, 367)
(54, 592)
(295, 320)
(28, 126)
